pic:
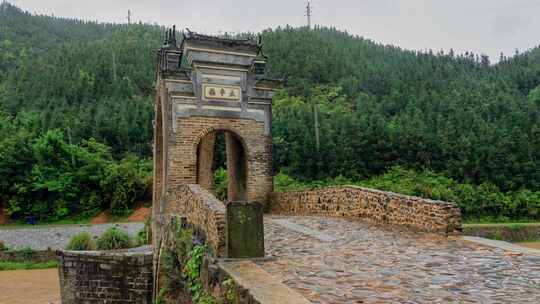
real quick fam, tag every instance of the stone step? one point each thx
(261, 286)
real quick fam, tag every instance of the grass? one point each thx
(500, 224)
(42, 225)
(490, 220)
(27, 265)
(516, 232)
(68, 221)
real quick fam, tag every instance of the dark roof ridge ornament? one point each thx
(189, 34)
(170, 38)
(170, 55)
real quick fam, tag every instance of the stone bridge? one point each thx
(319, 256)
(335, 245)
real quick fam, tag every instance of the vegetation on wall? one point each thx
(182, 265)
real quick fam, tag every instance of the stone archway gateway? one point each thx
(210, 84)
(207, 85)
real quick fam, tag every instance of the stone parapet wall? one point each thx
(253, 285)
(374, 206)
(106, 276)
(202, 210)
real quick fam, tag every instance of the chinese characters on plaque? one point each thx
(214, 91)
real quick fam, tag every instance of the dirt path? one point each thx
(29, 287)
(533, 245)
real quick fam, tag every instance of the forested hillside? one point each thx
(81, 93)
(76, 106)
(381, 106)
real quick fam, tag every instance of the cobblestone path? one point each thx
(56, 237)
(341, 261)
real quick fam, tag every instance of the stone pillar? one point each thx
(236, 168)
(205, 159)
(245, 230)
(157, 187)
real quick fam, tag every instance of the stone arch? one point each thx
(251, 133)
(237, 154)
(219, 128)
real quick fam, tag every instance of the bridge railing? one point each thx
(371, 205)
(202, 211)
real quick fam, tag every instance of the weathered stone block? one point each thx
(245, 230)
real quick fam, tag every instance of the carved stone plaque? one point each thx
(216, 91)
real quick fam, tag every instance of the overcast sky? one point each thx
(483, 26)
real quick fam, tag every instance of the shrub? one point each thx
(113, 238)
(145, 234)
(142, 237)
(81, 242)
(2, 246)
(52, 179)
(21, 254)
(221, 182)
(182, 263)
(127, 183)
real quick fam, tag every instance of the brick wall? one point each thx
(106, 277)
(371, 205)
(251, 133)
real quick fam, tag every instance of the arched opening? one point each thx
(222, 165)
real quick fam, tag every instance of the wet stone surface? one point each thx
(368, 264)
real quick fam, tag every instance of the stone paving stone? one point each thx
(305, 230)
(371, 264)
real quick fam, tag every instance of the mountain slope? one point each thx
(379, 105)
